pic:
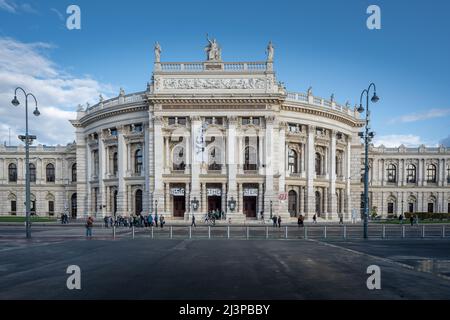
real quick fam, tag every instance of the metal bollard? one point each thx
(152, 232)
(325, 232)
(209, 232)
(345, 232)
(247, 233)
(423, 231)
(171, 232)
(133, 232)
(306, 232)
(443, 231)
(286, 234)
(228, 232)
(114, 232)
(190, 232)
(383, 234)
(267, 232)
(403, 232)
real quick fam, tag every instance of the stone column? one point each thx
(332, 208)
(82, 155)
(349, 179)
(146, 194)
(196, 159)
(231, 161)
(158, 192)
(282, 159)
(122, 165)
(301, 202)
(269, 161)
(310, 172)
(204, 199)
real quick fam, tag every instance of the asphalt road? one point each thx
(218, 269)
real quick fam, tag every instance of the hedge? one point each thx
(428, 215)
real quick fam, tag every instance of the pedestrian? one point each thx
(300, 221)
(262, 215)
(150, 220)
(105, 219)
(274, 220)
(411, 220)
(314, 219)
(156, 220)
(193, 221)
(400, 218)
(89, 225)
(279, 221)
(162, 222)
(341, 219)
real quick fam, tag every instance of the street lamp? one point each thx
(367, 136)
(271, 202)
(28, 140)
(156, 210)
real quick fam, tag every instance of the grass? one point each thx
(22, 219)
(407, 222)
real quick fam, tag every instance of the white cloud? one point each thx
(395, 140)
(430, 114)
(7, 6)
(14, 7)
(59, 14)
(58, 92)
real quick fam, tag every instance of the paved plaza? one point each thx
(145, 268)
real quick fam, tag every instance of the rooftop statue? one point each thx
(157, 52)
(270, 51)
(213, 51)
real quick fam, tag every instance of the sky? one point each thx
(324, 44)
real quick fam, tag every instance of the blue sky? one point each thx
(323, 44)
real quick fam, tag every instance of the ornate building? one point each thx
(225, 136)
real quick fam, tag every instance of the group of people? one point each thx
(135, 220)
(414, 220)
(64, 218)
(276, 221)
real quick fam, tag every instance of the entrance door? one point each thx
(250, 207)
(214, 203)
(73, 201)
(179, 206)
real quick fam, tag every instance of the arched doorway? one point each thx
(292, 206)
(73, 205)
(138, 202)
(318, 203)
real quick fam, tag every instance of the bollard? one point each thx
(247, 232)
(133, 232)
(114, 232)
(383, 233)
(152, 232)
(286, 234)
(403, 232)
(228, 232)
(306, 232)
(209, 232)
(325, 232)
(423, 231)
(345, 232)
(171, 232)
(190, 232)
(443, 231)
(267, 232)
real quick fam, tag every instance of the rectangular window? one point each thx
(182, 121)
(51, 208)
(411, 207)
(171, 121)
(13, 206)
(390, 208)
(430, 207)
(245, 121)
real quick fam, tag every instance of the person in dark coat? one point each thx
(279, 221)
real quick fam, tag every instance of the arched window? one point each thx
(448, 173)
(292, 205)
(32, 171)
(12, 172)
(391, 173)
(411, 173)
(178, 158)
(339, 165)
(431, 173)
(318, 164)
(13, 203)
(74, 172)
(115, 163)
(292, 161)
(96, 163)
(50, 172)
(138, 161)
(250, 158)
(431, 204)
(214, 159)
(391, 202)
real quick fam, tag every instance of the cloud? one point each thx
(57, 91)
(430, 114)
(395, 140)
(445, 141)
(59, 14)
(13, 7)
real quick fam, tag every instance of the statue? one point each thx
(157, 52)
(100, 97)
(309, 91)
(213, 51)
(270, 51)
(121, 92)
(332, 97)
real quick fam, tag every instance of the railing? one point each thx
(302, 97)
(130, 98)
(222, 66)
(263, 232)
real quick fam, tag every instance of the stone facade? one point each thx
(207, 135)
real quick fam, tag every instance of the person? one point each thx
(262, 215)
(89, 225)
(400, 218)
(341, 220)
(411, 220)
(162, 222)
(274, 219)
(416, 218)
(314, 219)
(111, 221)
(150, 220)
(156, 221)
(279, 221)
(300, 221)
(105, 219)
(193, 221)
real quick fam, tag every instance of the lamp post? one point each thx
(271, 202)
(27, 139)
(367, 135)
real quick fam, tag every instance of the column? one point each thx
(301, 202)
(282, 159)
(269, 191)
(332, 199)
(349, 178)
(310, 171)
(231, 161)
(204, 199)
(158, 191)
(146, 194)
(122, 165)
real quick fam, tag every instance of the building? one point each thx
(225, 136)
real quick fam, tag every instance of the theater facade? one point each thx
(225, 136)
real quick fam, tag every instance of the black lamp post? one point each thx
(156, 209)
(28, 140)
(271, 202)
(367, 135)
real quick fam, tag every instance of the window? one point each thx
(339, 165)
(182, 121)
(96, 162)
(411, 207)
(12, 172)
(411, 174)
(250, 158)
(74, 172)
(294, 127)
(391, 173)
(215, 162)
(32, 172)
(172, 121)
(114, 132)
(137, 127)
(448, 173)
(51, 208)
(292, 161)
(50, 172)
(430, 207)
(431, 173)
(13, 206)
(250, 120)
(115, 163)
(390, 208)
(138, 161)
(178, 159)
(318, 164)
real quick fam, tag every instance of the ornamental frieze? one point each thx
(186, 84)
